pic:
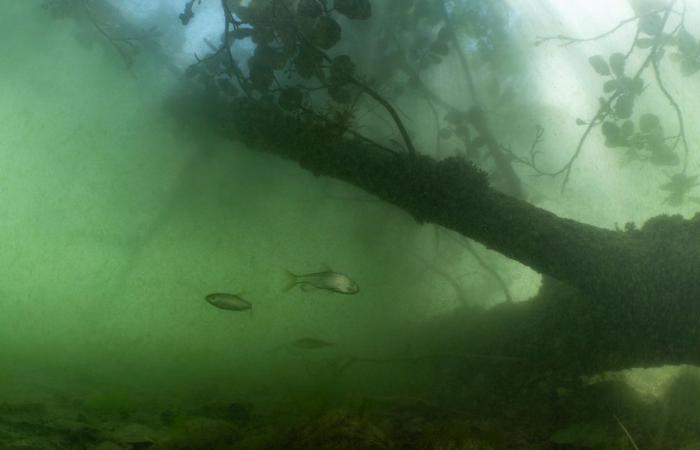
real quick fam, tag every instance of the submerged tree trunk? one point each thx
(625, 299)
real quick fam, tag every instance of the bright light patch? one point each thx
(200, 35)
(137, 10)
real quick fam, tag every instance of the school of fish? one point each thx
(327, 280)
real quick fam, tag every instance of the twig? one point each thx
(484, 265)
(128, 60)
(462, 59)
(364, 87)
(539, 132)
(230, 20)
(459, 290)
(570, 40)
(187, 14)
(531, 162)
(634, 43)
(679, 114)
(478, 120)
(351, 131)
(627, 433)
(504, 166)
(436, 117)
(344, 362)
(604, 109)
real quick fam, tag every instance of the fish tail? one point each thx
(292, 280)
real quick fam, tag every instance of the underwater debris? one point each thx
(309, 343)
(201, 433)
(134, 436)
(230, 302)
(338, 429)
(29, 408)
(327, 280)
(586, 435)
(237, 412)
(107, 445)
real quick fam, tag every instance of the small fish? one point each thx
(326, 280)
(308, 343)
(231, 302)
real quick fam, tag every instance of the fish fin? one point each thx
(292, 280)
(326, 268)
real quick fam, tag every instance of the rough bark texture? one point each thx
(623, 299)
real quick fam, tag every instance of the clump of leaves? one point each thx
(644, 141)
(307, 62)
(290, 40)
(309, 8)
(188, 13)
(290, 99)
(425, 51)
(458, 126)
(354, 9)
(688, 54)
(326, 33)
(342, 69)
(678, 187)
(623, 88)
(262, 64)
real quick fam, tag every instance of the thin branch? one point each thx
(627, 433)
(679, 114)
(456, 286)
(230, 20)
(567, 40)
(462, 59)
(634, 44)
(390, 109)
(342, 363)
(187, 14)
(466, 243)
(128, 60)
(539, 132)
(478, 121)
(436, 117)
(364, 87)
(531, 162)
(350, 131)
(604, 109)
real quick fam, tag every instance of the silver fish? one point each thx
(231, 302)
(308, 343)
(326, 280)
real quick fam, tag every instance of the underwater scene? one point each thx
(349, 224)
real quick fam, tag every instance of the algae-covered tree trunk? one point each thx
(623, 298)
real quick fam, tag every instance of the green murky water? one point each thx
(116, 220)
